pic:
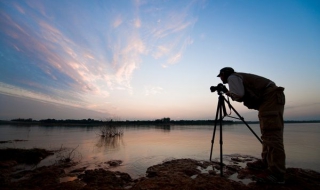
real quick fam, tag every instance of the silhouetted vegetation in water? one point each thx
(162, 121)
(65, 155)
(110, 131)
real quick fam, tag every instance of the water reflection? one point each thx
(164, 128)
(143, 146)
(110, 143)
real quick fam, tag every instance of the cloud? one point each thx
(153, 90)
(19, 8)
(77, 57)
(117, 22)
(137, 23)
(169, 34)
(65, 76)
(203, 36)
(175, 58)
(20, 92)
(161, 51)
(126, 59)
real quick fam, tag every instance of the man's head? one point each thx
(225, 73)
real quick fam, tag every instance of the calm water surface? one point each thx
(142, 147)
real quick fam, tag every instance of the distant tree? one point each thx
(23, 120)
(166, 120)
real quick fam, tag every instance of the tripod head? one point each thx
(220, 88)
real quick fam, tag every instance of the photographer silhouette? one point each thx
(262, 94)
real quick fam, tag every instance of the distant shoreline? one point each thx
(91, 122)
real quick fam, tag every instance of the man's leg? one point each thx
(273, 142)
(271, 124)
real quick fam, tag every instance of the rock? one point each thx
(8, 164)
(193, 174)
(107, 179)
(175, 174)
(27, 156)
(78, 170)
(185, 174)
(183, 166)
(114, 163)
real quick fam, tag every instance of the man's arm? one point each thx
(236, 88)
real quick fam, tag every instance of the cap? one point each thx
(227, 70)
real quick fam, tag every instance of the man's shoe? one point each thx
(268, 177)
(257, 165)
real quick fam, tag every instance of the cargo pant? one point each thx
(271, 126)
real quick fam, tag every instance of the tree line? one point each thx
(162, 121)
(89, 121)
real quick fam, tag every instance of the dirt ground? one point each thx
(174, 174)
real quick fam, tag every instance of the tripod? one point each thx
(220, 114)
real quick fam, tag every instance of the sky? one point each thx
(150, 59)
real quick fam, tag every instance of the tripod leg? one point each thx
(242, 119)
(214, 130)
(221, 142)
(219, 116)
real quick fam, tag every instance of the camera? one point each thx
(220, 88)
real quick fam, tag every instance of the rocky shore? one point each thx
(174, 174)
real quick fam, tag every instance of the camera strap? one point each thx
(229, 106)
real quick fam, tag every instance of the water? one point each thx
(142, 147)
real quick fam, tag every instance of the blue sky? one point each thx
(152, 59)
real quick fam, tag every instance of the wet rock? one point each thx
(212, 172)
(27, 156)
(8, 164)
(192, 174)
(114, 163)
(107, 179)
(4, 180)
(234, 168)
(237, 159)
(185, 174)
(183, 166)
(41, 178)
(296, 177)
(71, 185)
(78, 170)
(243, 158)
(175, 174)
